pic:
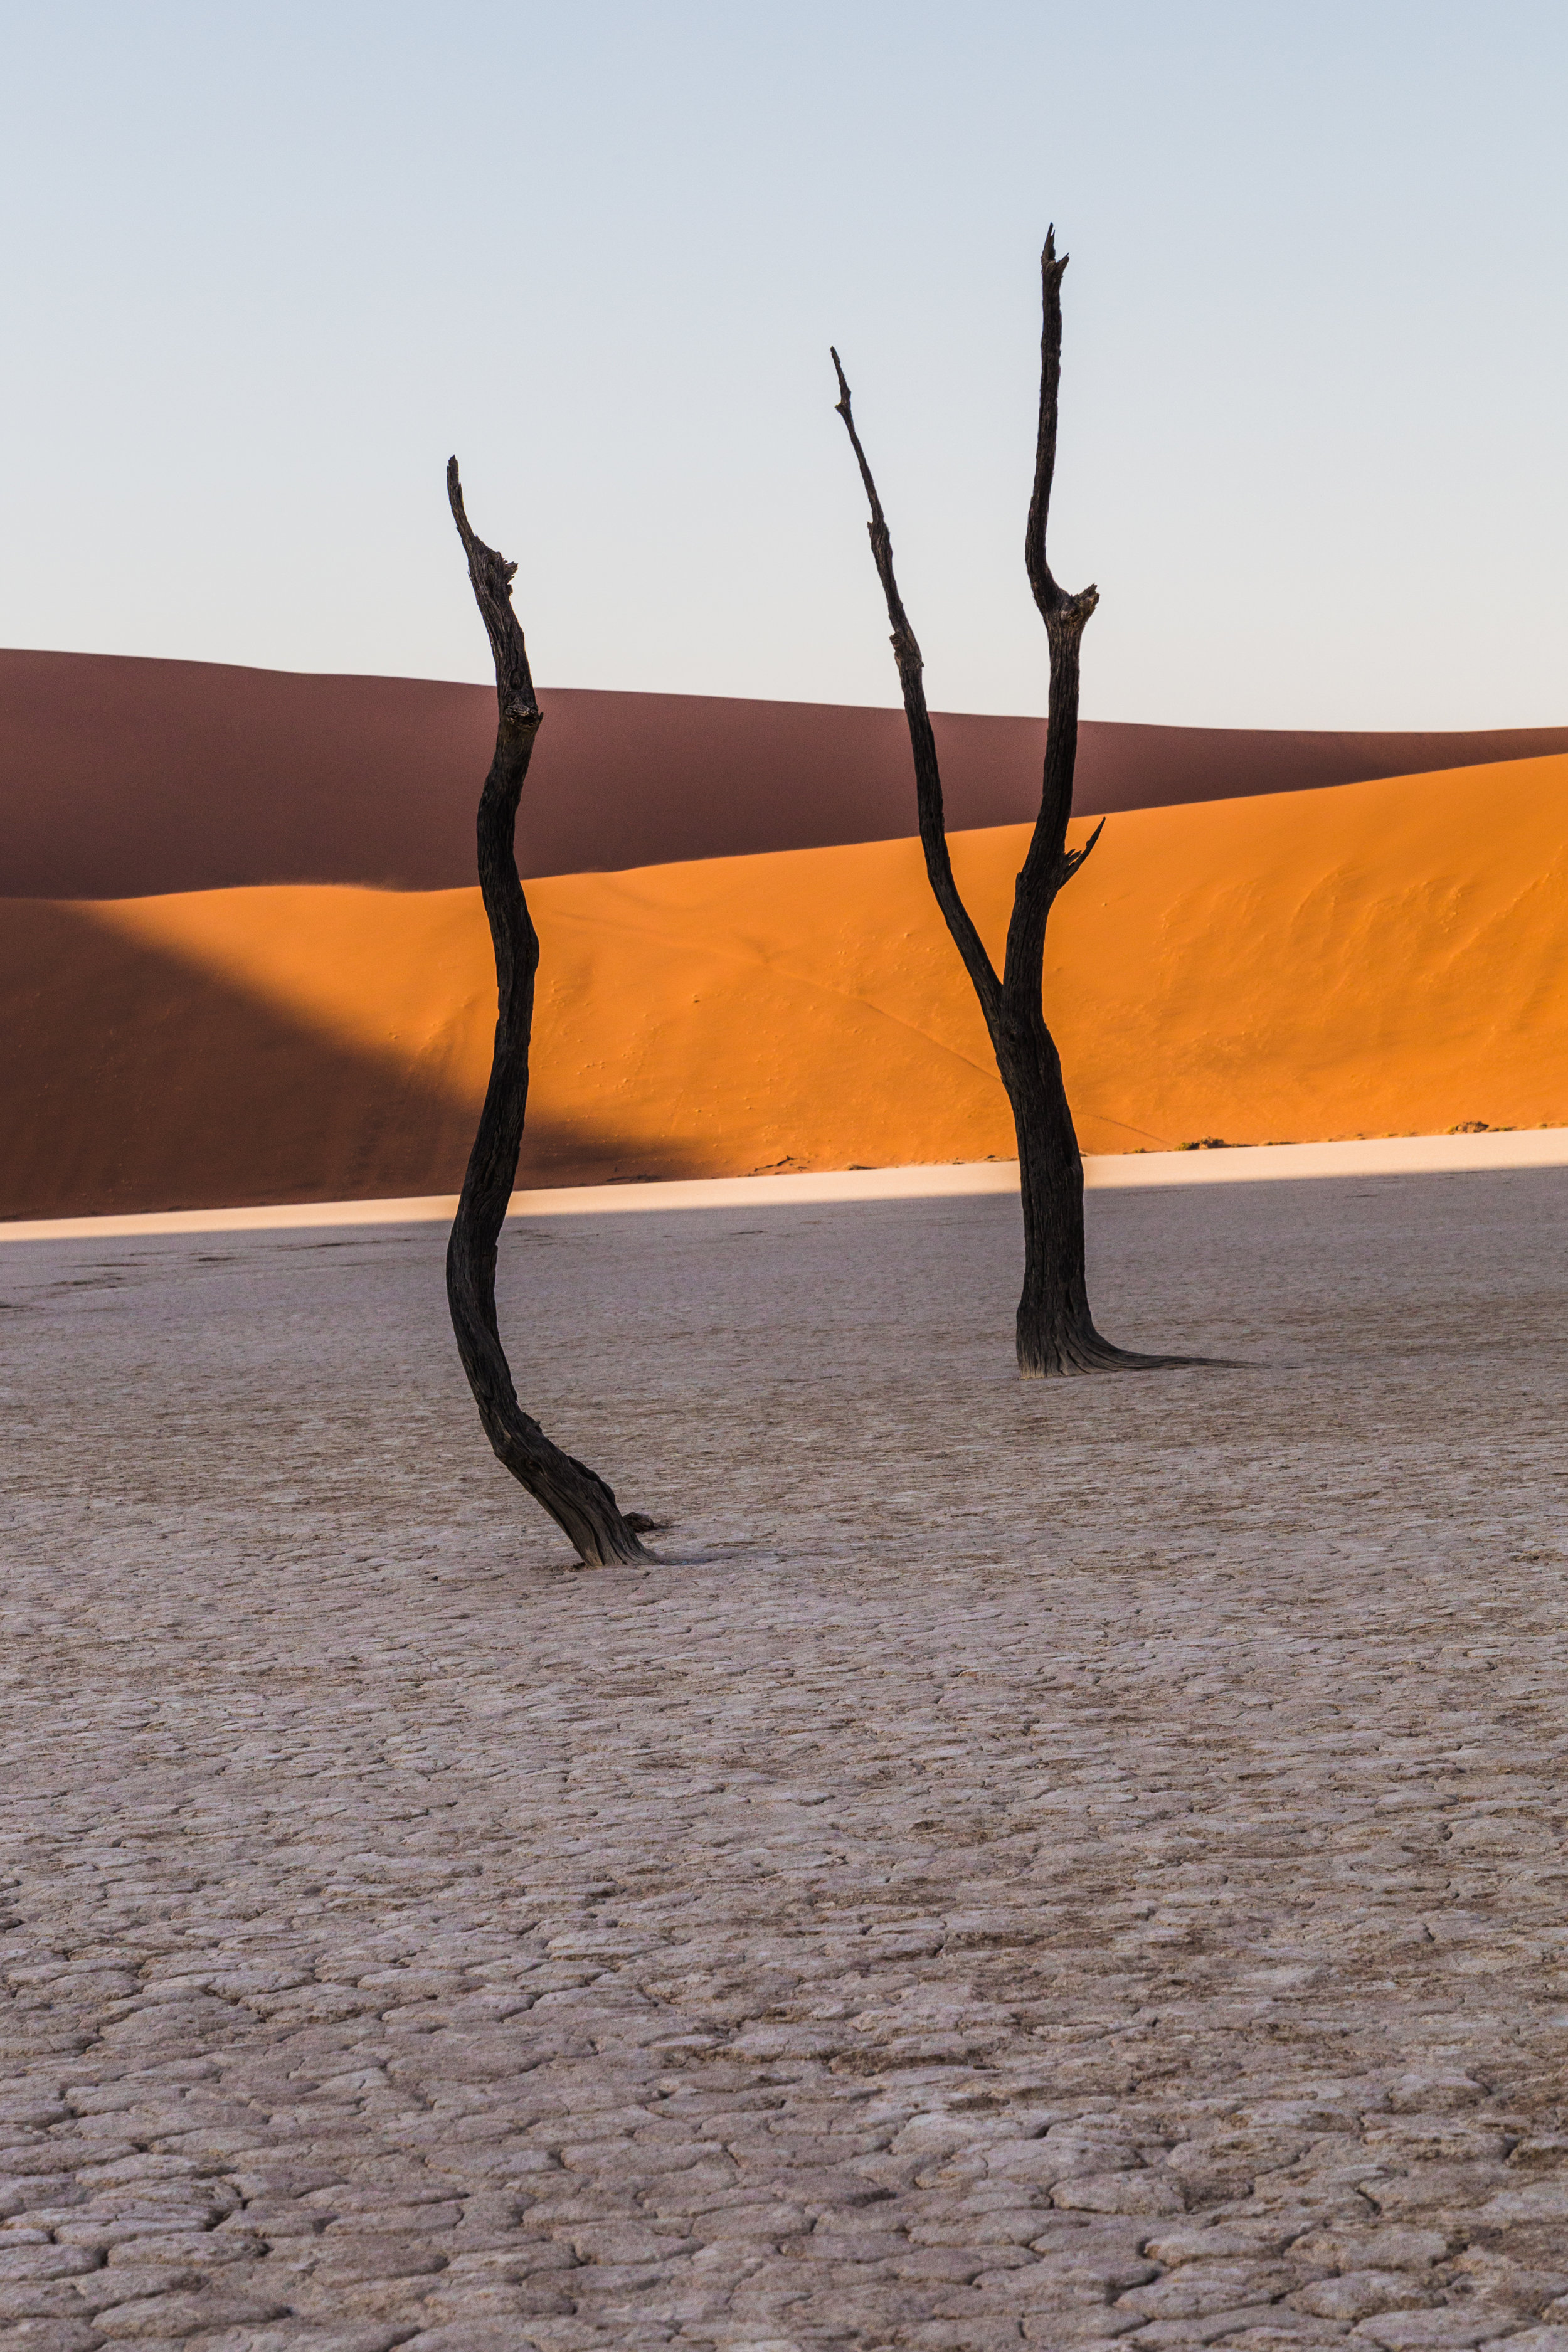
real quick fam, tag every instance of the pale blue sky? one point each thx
(265, 266)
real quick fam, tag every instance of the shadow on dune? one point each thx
(133, 1081)
(123, 778)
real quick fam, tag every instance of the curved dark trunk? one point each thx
(1055, 1329)
(577, 1498)
(1056, 1333)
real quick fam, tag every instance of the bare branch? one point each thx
(1073, 859)
(1049, 596)
(1047, 866)
(492, 576)
(928, 773)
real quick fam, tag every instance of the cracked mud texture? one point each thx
(1034, 1865)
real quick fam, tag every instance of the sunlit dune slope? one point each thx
(1376, 958)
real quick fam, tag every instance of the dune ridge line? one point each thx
(122, 776)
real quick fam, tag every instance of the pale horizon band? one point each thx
(1383, 1155)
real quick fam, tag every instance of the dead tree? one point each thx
(1055, 1329)
(578, 1500)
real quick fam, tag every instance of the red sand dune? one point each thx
(120, 778)
(1383, 958)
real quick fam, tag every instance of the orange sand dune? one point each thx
(1376, 958)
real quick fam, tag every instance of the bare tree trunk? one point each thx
(1056, 1330)
(578, 1500)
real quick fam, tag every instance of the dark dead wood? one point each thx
(577, 1498)
(1056, 1331)
(922, 741)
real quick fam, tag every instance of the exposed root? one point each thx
(1090, 1353)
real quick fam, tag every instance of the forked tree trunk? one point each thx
(578, 1500)
(1056, 1330)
